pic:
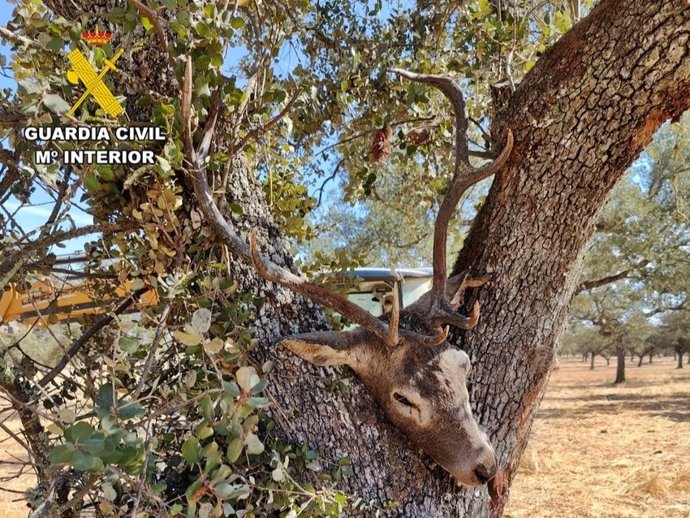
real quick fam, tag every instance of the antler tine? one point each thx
(460, 321)
(324, 296)
(467, 283)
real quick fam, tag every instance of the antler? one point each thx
(464, 176)
(442, 310)
(394, 322)
(389, 334)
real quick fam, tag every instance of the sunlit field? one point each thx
(599, 450)
(596, 450)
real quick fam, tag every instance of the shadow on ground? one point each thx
(674, 406)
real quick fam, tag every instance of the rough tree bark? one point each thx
(620, 365)
(580, 117)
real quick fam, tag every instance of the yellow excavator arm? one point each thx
(47, 302)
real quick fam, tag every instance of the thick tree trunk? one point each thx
(580, 117)
(591, 363)
(679, 364)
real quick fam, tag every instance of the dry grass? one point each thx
(599, 450)
(12, 502)
(596, 450)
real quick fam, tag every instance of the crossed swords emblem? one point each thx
(84, 72)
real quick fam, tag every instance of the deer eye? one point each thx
(402, 399)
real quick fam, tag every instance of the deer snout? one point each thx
(487, 464)
(486, 471)
(479, 470)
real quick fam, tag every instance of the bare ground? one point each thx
(596, 450)
(599, 450)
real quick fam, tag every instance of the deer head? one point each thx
(403, 358)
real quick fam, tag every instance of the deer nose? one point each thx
(485, 473)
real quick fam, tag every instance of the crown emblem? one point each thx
(96, 37)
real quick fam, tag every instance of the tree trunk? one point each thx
(679, 364)
(620, 365)
(639, 363)
(580, 118)
(591, 362)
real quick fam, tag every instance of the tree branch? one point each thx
(596, 283)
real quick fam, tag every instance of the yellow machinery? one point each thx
(47, 302)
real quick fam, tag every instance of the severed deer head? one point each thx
(403, 358)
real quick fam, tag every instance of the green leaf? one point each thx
(128, 345)
(55, 44)
(87, 462)
(213, 460)
(79, 432)
(206, 405)
(130, 410)
(62, 454)
(203, 30)
(105, 399)
(191, 450)
(92, 183)
(235, 450)
(95, 445)
(231, 389)
(105, 172)
(146, 23)
(192, 492)
(223, 490)
(254, 444)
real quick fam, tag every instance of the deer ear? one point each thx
(325, 347)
